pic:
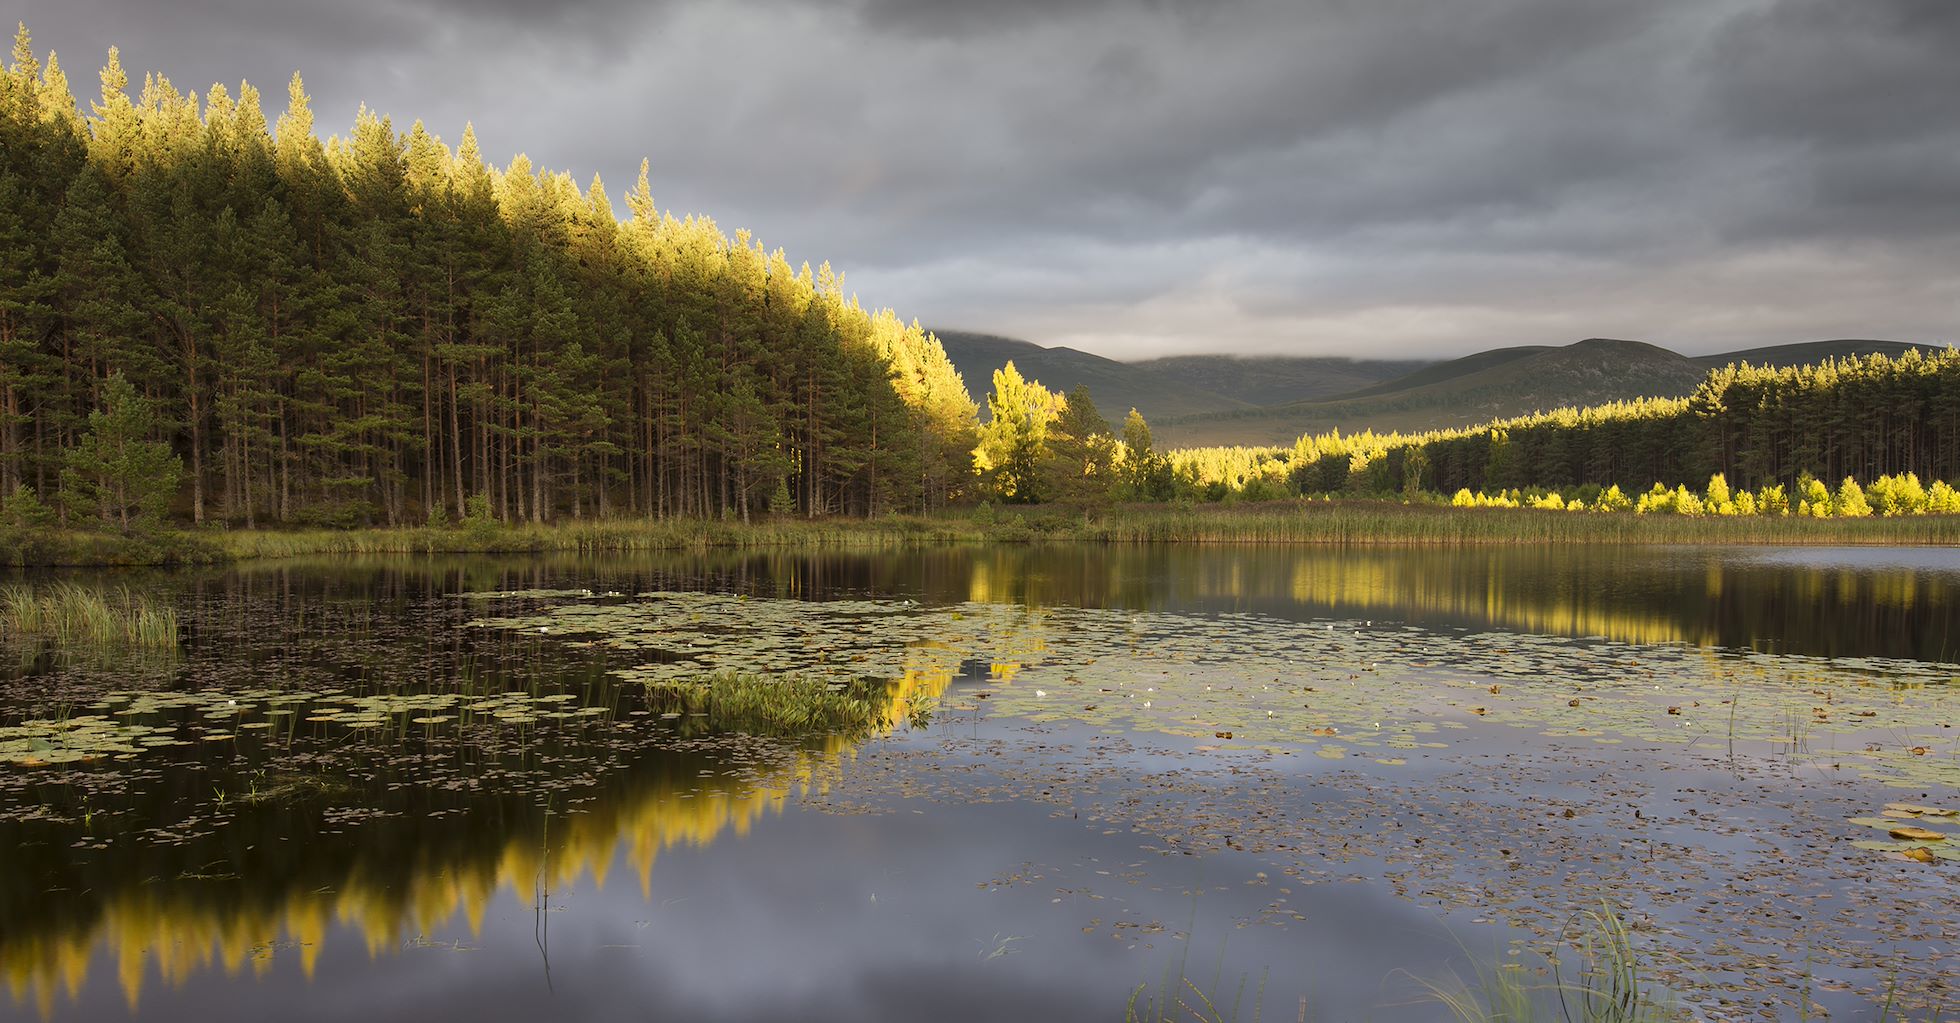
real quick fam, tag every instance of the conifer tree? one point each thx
(1079, 464)
(118, 473)
(1146, 475)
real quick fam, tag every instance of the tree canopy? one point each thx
(374, 327)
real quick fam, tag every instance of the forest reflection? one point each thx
(238, 886)
(1705, 596)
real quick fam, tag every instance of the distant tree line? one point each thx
(1863, 418)
(1887, 421)
(1860, 417)
(383, 329)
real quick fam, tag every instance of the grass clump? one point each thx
(1610, 987)
(783, 706)
(71, 615)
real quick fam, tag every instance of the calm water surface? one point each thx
(1311, 780)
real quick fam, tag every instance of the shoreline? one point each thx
(1356, 523)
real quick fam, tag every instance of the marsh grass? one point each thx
(1298, 521)
(603, 537)
(1610, 986)
(1179, 998)
(1277, 522)
(71, 616)
(785, 706)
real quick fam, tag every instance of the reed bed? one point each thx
(69, 615)
(1298, 521)
(607, 537)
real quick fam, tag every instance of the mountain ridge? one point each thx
(1194, 400)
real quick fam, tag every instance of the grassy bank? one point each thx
(63, 548)
(1277, 522)
(610, 537)
(1285, 522)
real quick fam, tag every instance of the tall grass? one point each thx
(1279, 522)
(1610, 987)
(603, 537)
(789, 706)
(71, 615)
(1299, 521)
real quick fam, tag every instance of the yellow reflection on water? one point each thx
(181, 931)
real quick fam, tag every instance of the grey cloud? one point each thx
(962, 17)
(1828, 72)
(1140, 176)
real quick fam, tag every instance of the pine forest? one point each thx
(382, 329)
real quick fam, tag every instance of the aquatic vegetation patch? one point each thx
(122, 725)
(1342, 689)
(82, 739)
(774, 706)
(1923, 834)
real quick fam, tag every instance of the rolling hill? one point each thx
(1494, 384)
(1166, 388)
(1194, 400)
(1116, 386)
(1277, 380)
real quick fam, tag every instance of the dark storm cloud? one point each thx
(1822, 70)
(1861, 98)
(1139, 176)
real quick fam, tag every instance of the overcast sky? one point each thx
(1388, 178)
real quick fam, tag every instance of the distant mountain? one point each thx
(1494, 384)
(1166, 388)
(1276, 380)
(1116, 386)
(1223, 399)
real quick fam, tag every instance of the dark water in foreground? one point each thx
(1312, 780)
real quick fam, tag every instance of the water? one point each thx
(1311, 781)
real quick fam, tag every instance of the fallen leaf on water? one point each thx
(1922, 811)
(1916, 834)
